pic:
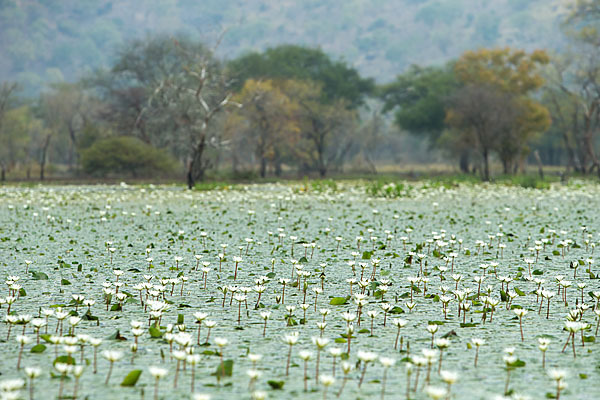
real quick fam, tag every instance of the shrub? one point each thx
(125, 155)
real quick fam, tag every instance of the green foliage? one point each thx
(277, 385)
(419, 97)
(38, 348)
(381, 188)
(155, 333)
(125, 155)
(323, 185)
(338, 301)
(64, 359)
(528, 181)
(339, 81)
(39, 275)
(131, 378)
(206, 186)
(16, 126)
(225, 369)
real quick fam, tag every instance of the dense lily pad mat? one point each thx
(112, 255)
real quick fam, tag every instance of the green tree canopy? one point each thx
(338, 81)
(419, 97)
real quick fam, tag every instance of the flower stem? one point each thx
(317, 369)
(343, 385)
(30, 388)
(362, 375)
(109, 372)
(19, 358)
(287, 366)
(383, 383)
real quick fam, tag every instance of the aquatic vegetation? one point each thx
(354, 289)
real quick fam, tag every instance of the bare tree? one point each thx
(574, 98)
(487, 115)
(193, 98)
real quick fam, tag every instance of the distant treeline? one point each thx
(168, 106)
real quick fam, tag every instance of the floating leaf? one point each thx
(64, 282)
(277, 385)
(589, 339)
(224, 369)
(116, 336)
(338, 301)
(449, 334)
(89, 317)
(155, 333)
(39, 276)
(516, 364)
(503, 295)
(397, 310)
(38, 348)
(132, 378)
(64, 359)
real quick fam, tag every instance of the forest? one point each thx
(149, 103)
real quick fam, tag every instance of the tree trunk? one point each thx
(589, 148)
(196, 166)
(570, 152)
(370, 164)
(278, 169)
(505, 167)
(73, 144)
(538, 160)
(3, 174)
(463, 162)
(263, 166)
(588, 139)
(486, 165)
(44, 156)
(190, 176)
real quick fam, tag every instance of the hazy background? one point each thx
(232, 89)
(45, 41)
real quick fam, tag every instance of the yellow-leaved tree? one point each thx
(494, 109)
(266, 123)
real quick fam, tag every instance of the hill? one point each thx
(45, 40)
